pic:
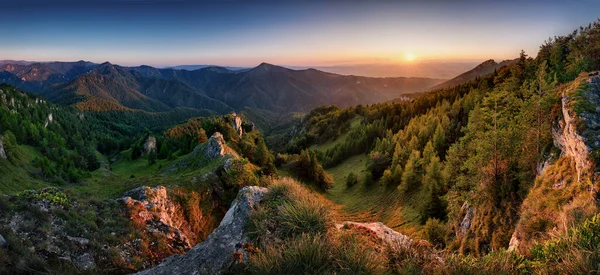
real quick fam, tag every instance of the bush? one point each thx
(368, 180)
(351, 180)
(435, 232)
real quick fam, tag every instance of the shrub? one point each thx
(435, 232)
(368, 180)
(351, 180)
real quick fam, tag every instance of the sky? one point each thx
(292, 32)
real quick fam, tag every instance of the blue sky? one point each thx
(302, 33)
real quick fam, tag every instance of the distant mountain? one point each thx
(482, 69)
(111, 87)
(36, 77)
(16, 62)
(197, 67)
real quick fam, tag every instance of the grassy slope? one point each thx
(103, 184)
(360, 203)
(15, 177)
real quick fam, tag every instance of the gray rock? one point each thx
(3, 242)
(216, 147)
(387, 235)
(2, 152)
(149, 146)
(237, 124)
(85, 262)
(214, 255)
(465, 224)
(78, 240)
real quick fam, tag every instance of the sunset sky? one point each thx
(299, 33)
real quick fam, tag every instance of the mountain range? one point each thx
(269, 87)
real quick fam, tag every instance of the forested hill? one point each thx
(101, 87)
(462, 160)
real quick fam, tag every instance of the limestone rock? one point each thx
(387, 235)
(153, 206)
(465, 224)
(237, 124)
(216, 147)
(149, 146)
(2, 152)
(48, 120)
(214, 255)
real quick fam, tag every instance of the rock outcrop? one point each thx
(152, 206)
(465, 224)
(149, 146)
(2, 152)
(48, 120)
(216, 147)
(379, 230)
(237, 124)
(569, 141)
(215, 254)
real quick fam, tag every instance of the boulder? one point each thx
(149, 146)
(215, 254)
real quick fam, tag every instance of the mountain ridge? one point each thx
(266, 86)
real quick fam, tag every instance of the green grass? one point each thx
(16, 177)
(103, 184)
(360, 203)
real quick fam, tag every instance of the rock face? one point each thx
(48, 120)
(214, 255)
(569, 141)
(237, 124)
(465, 224)
(152, 206)
(216, 147)
(149, 146)
(2, 152)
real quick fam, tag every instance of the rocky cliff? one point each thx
(568, 185)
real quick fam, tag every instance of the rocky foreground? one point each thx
(228, 244)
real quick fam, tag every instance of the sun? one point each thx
(410, 57)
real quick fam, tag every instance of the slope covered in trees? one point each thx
(465, 156)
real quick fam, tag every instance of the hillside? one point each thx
(482, 69)
(496, 175)
(267, 87)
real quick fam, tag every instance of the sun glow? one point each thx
(410, 57)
